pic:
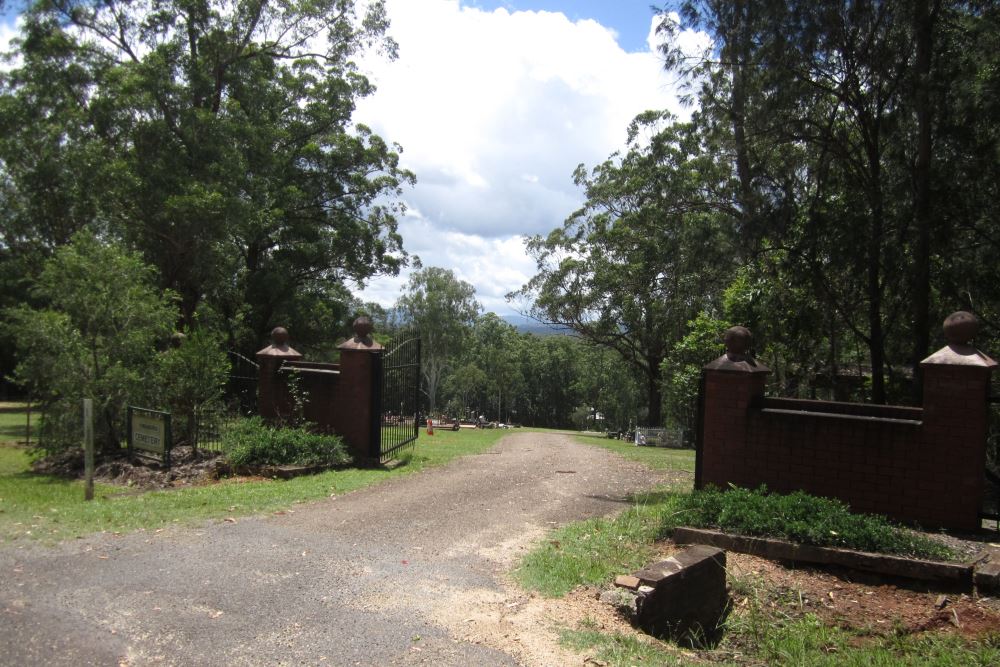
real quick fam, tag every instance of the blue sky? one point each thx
(628, 18)
(495, 104)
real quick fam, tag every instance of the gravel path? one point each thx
(407, 572)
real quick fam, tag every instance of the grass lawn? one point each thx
(757, 632)
(13, 422)
(51, 509)
(657, 458)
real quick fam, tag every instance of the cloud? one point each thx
(8, 31)
(494, 110)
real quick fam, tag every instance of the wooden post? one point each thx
(88, 448)
(27, 427)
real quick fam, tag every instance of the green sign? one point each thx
(149, 433)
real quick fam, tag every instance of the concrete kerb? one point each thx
(981, 572)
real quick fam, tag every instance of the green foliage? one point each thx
(442, 308)
(644, 254)
(217, 139)
(589, 552)
(866, 177)
(657, 458)
(96, 338)
(191, 375)
(617, 649)
(682, 369)
(799, 517)
(252, 442)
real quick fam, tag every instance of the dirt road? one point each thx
(408, 572)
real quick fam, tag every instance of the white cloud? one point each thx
(9, 31)
(494, 111)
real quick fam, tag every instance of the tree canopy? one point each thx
(214, 138)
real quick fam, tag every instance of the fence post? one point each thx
(956, 382)
(732, 383)
(272, 395)
(357, 415)
(88, 448)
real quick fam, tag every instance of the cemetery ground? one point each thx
(480, 561)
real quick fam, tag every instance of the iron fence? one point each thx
(397, 396)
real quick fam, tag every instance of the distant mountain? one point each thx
(527, 325)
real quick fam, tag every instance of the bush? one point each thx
(95, 338)
(799, 517)
(252, 442)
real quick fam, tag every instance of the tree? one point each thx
(442, 308)
(648, 249)
(96, 338)
(843, 118)
(214, 138)
(496, 349)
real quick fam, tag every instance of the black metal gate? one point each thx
(241, 389)
(397, 396)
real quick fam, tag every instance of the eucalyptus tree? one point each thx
(443, 309)
(649, 247)
(214, 137)
(841, 120)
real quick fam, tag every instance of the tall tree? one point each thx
(215, 138)
(443, 309)
(858, 98)
(638, 261)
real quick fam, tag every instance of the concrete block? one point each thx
(684, 597)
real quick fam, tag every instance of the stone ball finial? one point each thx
(737, 340)
(279, 336)
(363, 327)
(960, 327)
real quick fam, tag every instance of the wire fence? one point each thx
(659, 437)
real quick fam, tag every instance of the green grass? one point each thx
(51, 509)
(13, 422)
(801, 518)
(617, 649)
(657, 458)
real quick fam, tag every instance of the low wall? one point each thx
(914, 464)
(338, 398)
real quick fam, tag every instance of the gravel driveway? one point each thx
(411, 571)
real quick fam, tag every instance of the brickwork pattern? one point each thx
(924, 465)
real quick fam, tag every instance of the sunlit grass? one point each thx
(51, 509)
(658, 458)
(13, 422)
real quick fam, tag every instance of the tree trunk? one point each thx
(923, 31)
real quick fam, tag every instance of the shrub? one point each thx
(189, 376)
(799, 517)
(95, 338)
(252, 442)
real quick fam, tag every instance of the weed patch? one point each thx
(799, 517)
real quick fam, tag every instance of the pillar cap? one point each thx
(362, 339)
(737, 358)
(279, 346)
(959, 329)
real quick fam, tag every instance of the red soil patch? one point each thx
(867, 606)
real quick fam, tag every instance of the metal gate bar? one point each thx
(398, 396)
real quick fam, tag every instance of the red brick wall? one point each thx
(338, 396)
(913, 464)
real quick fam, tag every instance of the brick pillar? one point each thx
(956, 382)
(273, 400)
(354, 408)
(733, 383)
